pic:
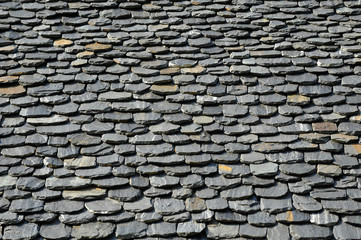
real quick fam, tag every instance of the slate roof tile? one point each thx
(244, 114)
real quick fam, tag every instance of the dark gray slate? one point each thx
(63, 206)
(222, 231)
(161, 229)
(23, 231)
(55, 230)
(131, 230)
(93, 230)
(196, 119)
(27, 205)
(309, 231)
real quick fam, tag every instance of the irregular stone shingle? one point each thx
(250, 231)
(76, 218)
(306, 204)
(23, 231)
(275, 205)
(190, 228)
(55, 230)
(163, 181)
(124, 194)
(63, 206)
(222, 231)
(279, 231)
(261, 219)
(106, 206)
(278, 190)
(161, 229)
(324, 218)
(84, 194)
(244, 206)
(109, 108)
(348, 206)
(66, 183)
(264, 169)
(131, 230)
(141, 205)
(220, 182)
(21, 151)
(93, 230)
(27, 205)
(168, 206)
(237, 193)
(309, 231)
(7, 182)
(13, 91)
(346, 231)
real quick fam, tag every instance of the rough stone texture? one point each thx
(55, 230)
(22, 231)
(131, 230)
(308, 231)
(93, 230)
(192, 119)
(222, 231)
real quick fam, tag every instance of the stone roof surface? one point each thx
(194, 119)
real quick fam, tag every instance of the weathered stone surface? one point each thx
(324, 218)
(353, 149)
(279, 231)
(30, 183)
(97, 47)
(18, 151)
(309, 231)
(76, 218)
(349, 128)
(63, 206)
(297, 168)
(264, 169)
(306, 204)
(27, 205)
(84, 194)
(190, 228)
(55, 230)
(10, 218)
(195, 204)
(275, 205)
(237, 193)
(220, 182)
(62, 43)
(7, 182)
(93, 230)
(131, 230)
(346, 231)
(244, 206)
(249, 231)
(150, 150)
(107, 206)
(124, 194)
(168, 206)
(341, 206)
(292, 217)
(23, 231)
(261, 219)
(222, 231)
(66, 183)
(195, 119)
(278, 190)
(141, 205)
(13, 91)
(80, 162)
(161, 229)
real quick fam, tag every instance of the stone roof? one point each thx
(194, 119)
